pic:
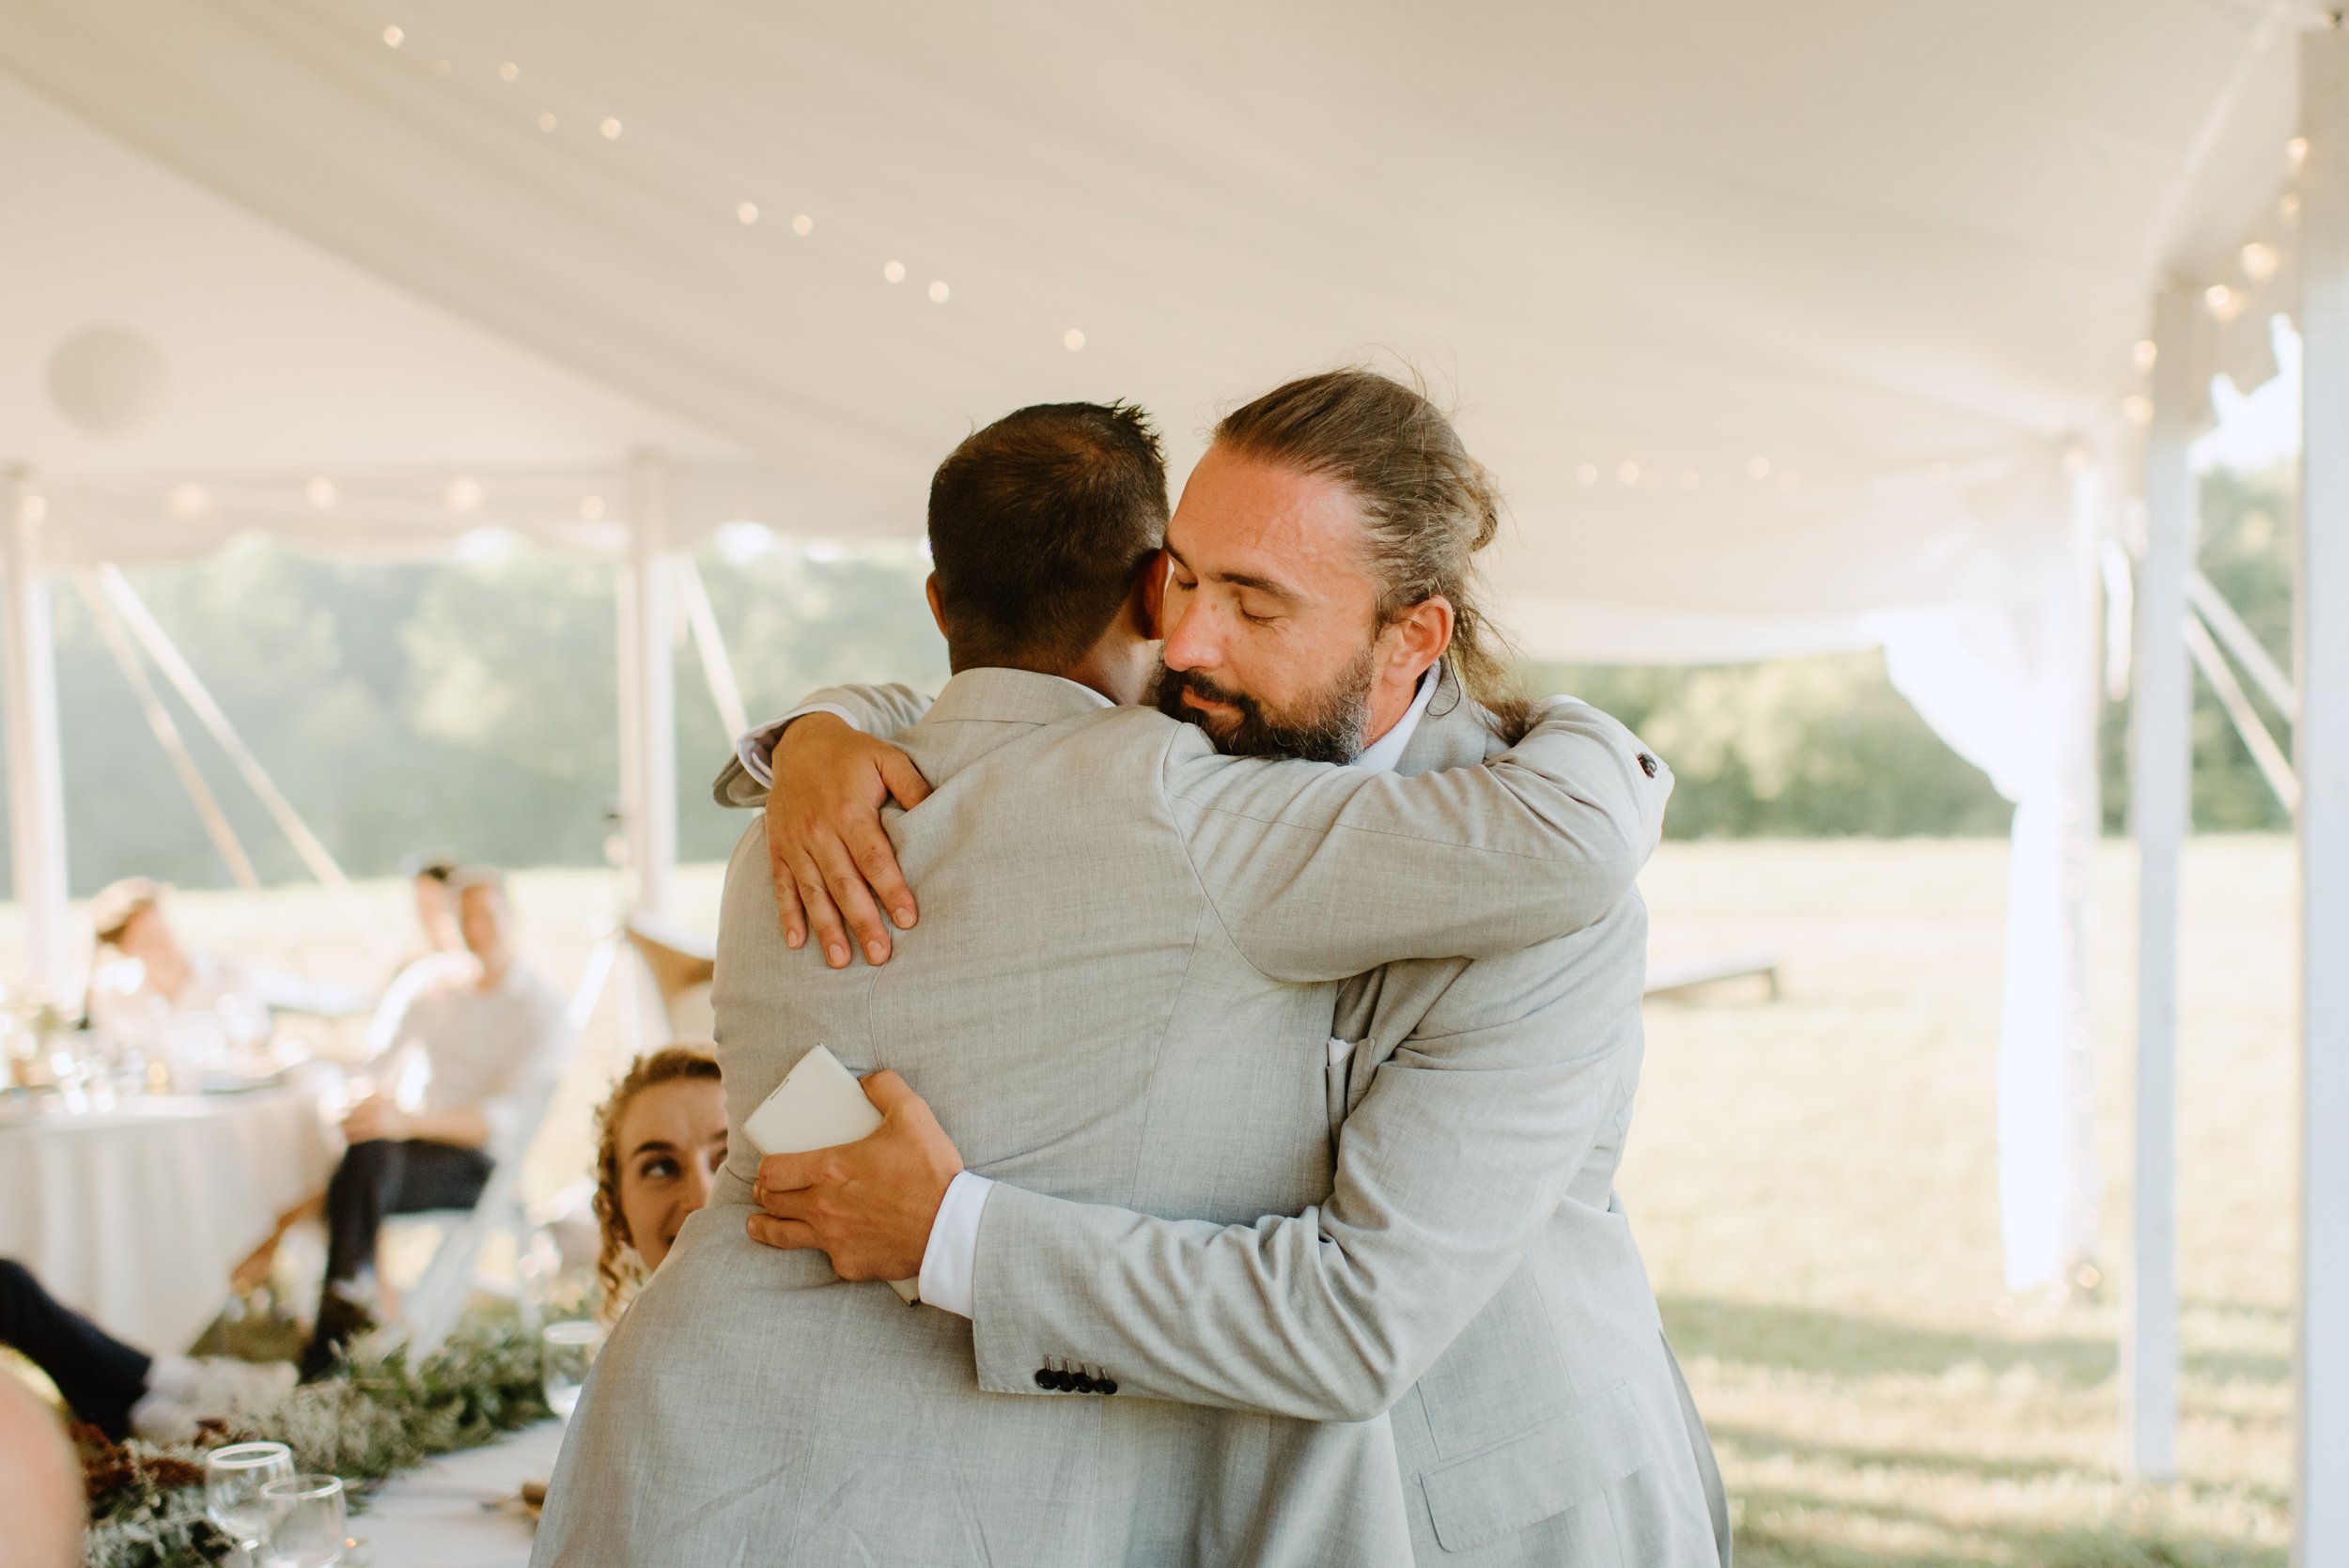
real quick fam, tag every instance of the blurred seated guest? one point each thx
(144, 974)
(443, 960)
(40, 1486)
(120, 1390)
(144, 978)
(660, 1136)
(496, 1047)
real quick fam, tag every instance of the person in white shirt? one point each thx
(496, 1047)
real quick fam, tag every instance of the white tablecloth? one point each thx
(434, 1518)
(135, 1216)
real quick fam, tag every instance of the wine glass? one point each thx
(308, 1518)
(234, 1478)
(568, 1349)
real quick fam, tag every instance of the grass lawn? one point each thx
(1814, 1183)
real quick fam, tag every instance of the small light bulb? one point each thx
(320, 492)
(2259, 261)
(509, 71)
(2138, 408)
(801, 224)
(546, 121)
(1758, 468)
(2224, 302)
(1689, 479)
(1586, 474)
(394, 37)
(1628, 473)
(939, 291)
(894, 271)
(2288, 206)
(748, 213)
(2298, 151)
(1073, 340)
(591, 506)
(1787, 481)
(2144, 354)
(610, 129)
(463, 494)
(187, 498)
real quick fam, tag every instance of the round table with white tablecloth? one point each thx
(135, 1216)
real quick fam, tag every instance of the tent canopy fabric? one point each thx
(1768, 318)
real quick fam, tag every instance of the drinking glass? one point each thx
(234, 1478)
(568, 1350)
(307, 1531)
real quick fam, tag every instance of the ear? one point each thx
(1150, 597)
(938, 611)
(1422, 634)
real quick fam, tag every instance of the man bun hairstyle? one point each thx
(1039, 525)
(1427, 507)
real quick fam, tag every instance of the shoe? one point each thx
(341, 1320)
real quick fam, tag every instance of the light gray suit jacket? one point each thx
(1118, 995)
(1470, 1271)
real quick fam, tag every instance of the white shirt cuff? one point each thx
(757, 748)
(949, 1262)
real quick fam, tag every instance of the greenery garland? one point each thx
(373, 1417)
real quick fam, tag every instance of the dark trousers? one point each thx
(100, 1377)
(385, 1176)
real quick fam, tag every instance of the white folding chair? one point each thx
(431, 1310)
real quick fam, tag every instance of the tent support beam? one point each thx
(2273, 765)
(2321, 1414)
(649, 691)
(2160, 777)
(36, 772)
(717, 664)
(2228, 627)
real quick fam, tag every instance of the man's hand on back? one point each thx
(869, 1205)
(833, 866)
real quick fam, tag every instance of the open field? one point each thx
(1814, 1183)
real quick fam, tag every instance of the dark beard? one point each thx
(1328, 728)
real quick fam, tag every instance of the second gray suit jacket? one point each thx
(1471, 1270)
(1118, 995)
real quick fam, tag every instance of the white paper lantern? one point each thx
(108, 380)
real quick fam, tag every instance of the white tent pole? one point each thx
(717, 665)
(35, 773)
(2273, 765)
(167, 735)
(2213, 607)
(2321, 1417)
(647, 690)
(192, 690)
(2160, 776)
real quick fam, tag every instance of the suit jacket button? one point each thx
(1648, 764)
(1080, 1383)
(1043, 1377)
(1106, 1385)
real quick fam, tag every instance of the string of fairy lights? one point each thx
(2260, 269)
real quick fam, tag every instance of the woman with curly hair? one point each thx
(660, 1137)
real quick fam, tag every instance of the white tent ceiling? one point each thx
(1899, 253)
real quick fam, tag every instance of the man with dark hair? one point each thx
(1469, 1265)
(1120, 989)
(1029, 574)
